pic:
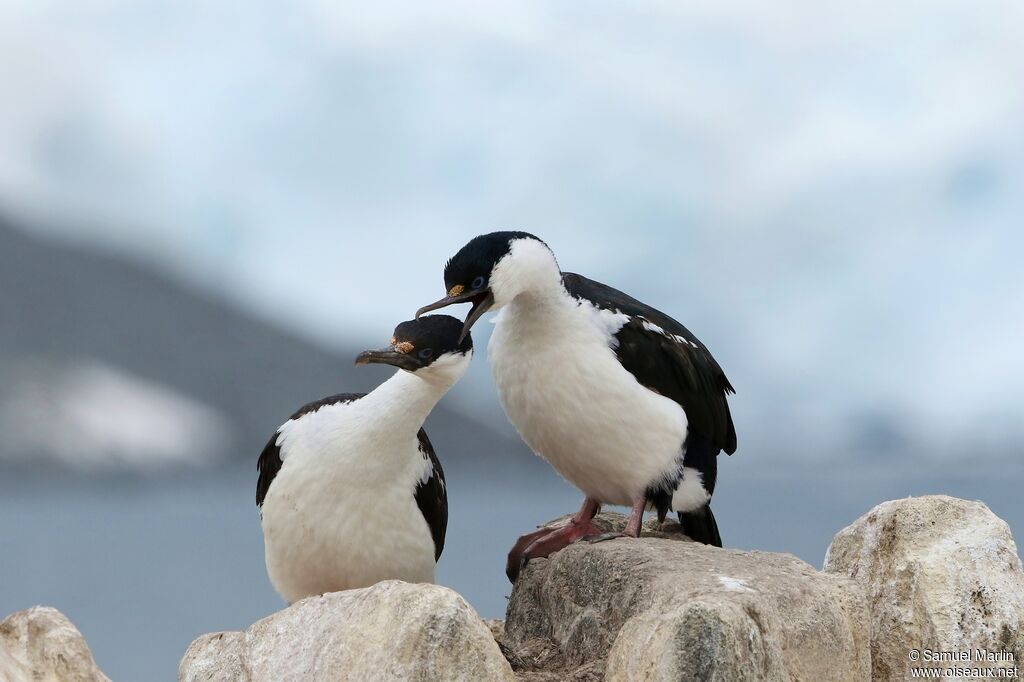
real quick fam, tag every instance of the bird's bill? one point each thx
(464, 297)
(482, 300)
(389, 356)
(481, 305)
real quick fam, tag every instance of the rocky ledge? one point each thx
(935, 573)
(929, 573)
(665, 608)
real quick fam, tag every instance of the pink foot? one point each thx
(544, 542)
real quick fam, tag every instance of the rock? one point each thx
(663, 608)
(497, 629)
(392, 630)
(940, 573)
(41, 645)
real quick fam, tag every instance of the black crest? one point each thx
(438, 334)
(477, 258)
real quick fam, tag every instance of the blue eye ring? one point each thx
(478, 282)
(425, 353)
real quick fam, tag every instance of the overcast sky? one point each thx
(829, 195)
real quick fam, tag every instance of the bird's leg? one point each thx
(636, 517)
(588, 510)
(547, 540)
(633, 524)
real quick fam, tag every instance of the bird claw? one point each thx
(594, 539)
(514, 565)
(513, 575)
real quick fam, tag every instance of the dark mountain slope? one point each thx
(60, 303)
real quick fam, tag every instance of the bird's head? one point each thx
(493, 269)
(431, 347)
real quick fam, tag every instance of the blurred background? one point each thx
(208, 208)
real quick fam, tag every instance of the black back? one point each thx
(684, 372)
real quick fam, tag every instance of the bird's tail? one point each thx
(700, 526)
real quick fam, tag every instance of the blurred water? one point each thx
(143, 567)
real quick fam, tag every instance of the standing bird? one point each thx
(350, 490)
(622, 400)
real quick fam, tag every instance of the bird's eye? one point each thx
(426, 353)
(478, 283)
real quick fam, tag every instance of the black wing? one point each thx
(268, 465)
(432, 496)
(270, 459)
(672, 362)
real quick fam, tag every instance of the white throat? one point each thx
(530, 271)
(387, 417)
(405, 400)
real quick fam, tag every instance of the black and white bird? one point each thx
(350, 490)
(621, 399)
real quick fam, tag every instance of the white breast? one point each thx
(341, 512)
(575, 405)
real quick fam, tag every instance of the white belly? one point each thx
(575, 405)
(326, 531)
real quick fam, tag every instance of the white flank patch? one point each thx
(90, 414)
(690, 494)
(734, 584)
